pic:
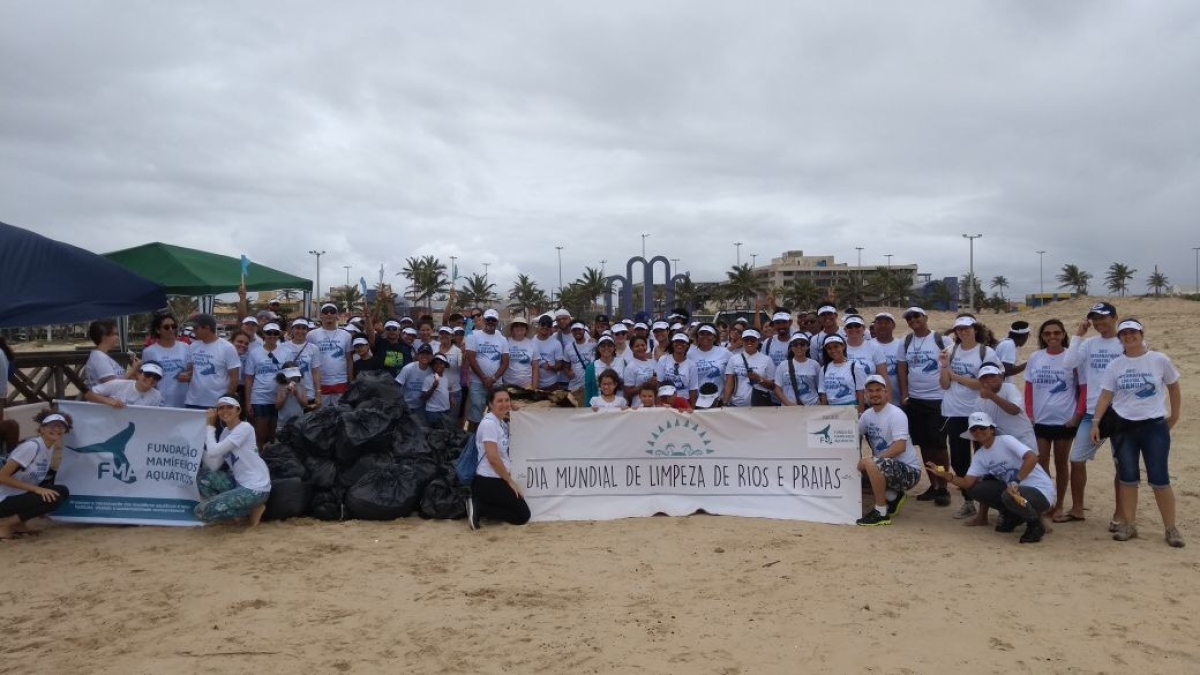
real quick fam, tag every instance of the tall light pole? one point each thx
(602, 267)
(559, 248)
(644, 235)
(889, 257)
(860, 250)
(347, 268)
(971, 272)
(1041, 278)
(453, 271)
(1197, 250)
(317, 292)
(486, 265)
(738, 244)
(754, 260)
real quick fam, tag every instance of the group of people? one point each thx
(950, 394)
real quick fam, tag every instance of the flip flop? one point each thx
(1068, 518)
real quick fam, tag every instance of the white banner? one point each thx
(132, 466)
(795, 463)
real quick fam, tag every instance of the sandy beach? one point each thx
(700, 594)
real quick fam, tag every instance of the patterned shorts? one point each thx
(897, 475)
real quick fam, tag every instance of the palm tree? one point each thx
(592, 282)
(800, 294)
(426, 276)
(851, 290)
(348, 297)
(971, 285)
(743, 284)
(891, 285)
(575, 299)
(686, 293)
(525, 297)
(1001, 282)
(1118, 277)
(1073, 277)
(477, 291)
(1157, 282)
(938, 294)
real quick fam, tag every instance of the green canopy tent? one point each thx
(187, 271)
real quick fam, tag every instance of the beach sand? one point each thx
(701, 594)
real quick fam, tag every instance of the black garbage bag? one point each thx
(319, 431)
(348, 476)
(424, 469)
(290, 498)
(288, 434)
(386, 493)
(327, 505)
(366, 429)
(322, 473)
(282, 461)
(372, 387)
(441, 500)
(438, 440)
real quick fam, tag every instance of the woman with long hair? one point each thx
(1051, 401)
(957, 375)
(641, 368)
(171, 355)
(100, 366)
(494, 491)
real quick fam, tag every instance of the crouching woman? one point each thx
(494, 491)
(242, 491)
(22, 497)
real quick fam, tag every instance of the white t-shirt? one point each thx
(867, 356)
(211, 363)
(173, 362)
(549, 353)
(682, 378)
(615, 405)
(1138, 385)
(1053, 385)
(598, 368)
(100, 367)
(840, 382)
(638, 373)
(578, 356)
(921, 358)
(891, 352)
(34, 459)
(960, 400)
(884, 428)
(520, 363)
(808, 381)
(334, 345)
(775, 347)
(710, 366)
(1003, 460)
(306, 356)
(496, 431)
(818, 343)
(453, 371)
(1017, 425)
(1091, 356)
(126, 392)
(489, 349)
(439, 402)
(758, 362)
(1006, 351)
(236, 447)
(262, 368)
(411, 379)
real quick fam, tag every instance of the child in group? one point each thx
(23, 497)
(669, 398)
(290, 395)
(436, 393)
(647, 396)
(608, 400)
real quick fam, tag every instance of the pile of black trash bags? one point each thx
(367, 458)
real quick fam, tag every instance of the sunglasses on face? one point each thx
(476, 316)
(329, 311)
(392, 329)
(272, 333)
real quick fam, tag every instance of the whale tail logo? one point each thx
(1060, 387)
(208, 369)
(881, 446)
(114, 446)
(823, 434)
(1148, 389)
(930, 366)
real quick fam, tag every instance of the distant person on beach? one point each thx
(958, 369)
(241, 491)
(1053, 403)
(171, 354)
(101, 367)
(893, 467)
(494, 492)
(22, 496)
(1004, 475)
(214, 367)
(1136, 387)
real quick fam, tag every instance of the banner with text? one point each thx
(795, 463)
(132, 465)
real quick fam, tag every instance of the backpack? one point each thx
(937, 339)
(468, 461)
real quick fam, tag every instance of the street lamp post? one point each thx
(1041, 278)
(860, 250)
(644, 235)
(486, 265)
(559, 248)
(971, 272)
(754, 260)
(889, 257)
(317, 291)
(1197, 250)
(347, 268)
(738, 244)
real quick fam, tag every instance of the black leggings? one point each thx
(960, 448)
(994, 493)
(28, 505)
(495, 500)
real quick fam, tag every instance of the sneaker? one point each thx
(874, 518)
(895, 504)
(1125, 532)
(942, 498)
(1007, 523)
(1034, 532)
(472, 519)
(967, 510)
(928, 495)
(1174, 539)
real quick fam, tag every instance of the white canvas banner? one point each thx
(132, 465)
(795, 463)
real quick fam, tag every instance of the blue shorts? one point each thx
(476, 402)
(266, 411)
(1152, 442)
(1083, 450)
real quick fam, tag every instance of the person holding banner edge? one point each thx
(242, 491)
(22, 497)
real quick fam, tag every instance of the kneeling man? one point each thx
(893, 467)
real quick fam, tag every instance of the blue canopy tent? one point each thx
(43, 281)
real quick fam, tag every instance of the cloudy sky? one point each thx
(497, 131)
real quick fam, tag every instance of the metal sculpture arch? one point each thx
(627, 283)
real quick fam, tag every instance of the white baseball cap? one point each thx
(913, 311)
(250, 319)
(854, 320)
(877, 379)
(560, 313)
(666, 390)
(359, 341)
(491, 314)
(1130, 324)
(680, 337)
(751, 333)
(151, 369)
(619, 328)
(272, 326)
(980, 419)
(990, 369)
(391, 324)
(781, 316)
(964, 321)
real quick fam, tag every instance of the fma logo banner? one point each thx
(132, 465)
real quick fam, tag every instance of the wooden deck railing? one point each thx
(45, 376)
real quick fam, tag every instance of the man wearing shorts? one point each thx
(1091, 357)
(921, 398)
(893, 467)
(487, 359)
